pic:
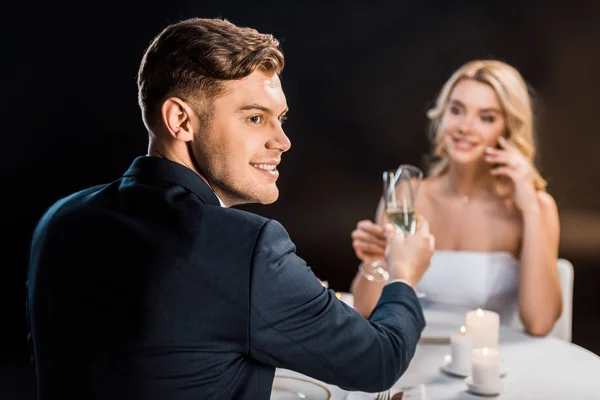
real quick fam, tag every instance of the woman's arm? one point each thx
(366, 294)
(540, 296)
(368, 241)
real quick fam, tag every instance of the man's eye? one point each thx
(255, 119)
(282, 120)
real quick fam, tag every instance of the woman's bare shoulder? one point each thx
(547, 202)
(549, 209)
(429, 193)
(430, 187)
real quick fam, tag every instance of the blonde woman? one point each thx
(496, 227)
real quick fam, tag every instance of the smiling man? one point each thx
(150, 287)
(238, 148)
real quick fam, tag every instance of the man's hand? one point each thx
(408, 258)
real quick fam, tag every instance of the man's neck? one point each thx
(186, 162)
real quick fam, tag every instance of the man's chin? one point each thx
(269, 198)
(265, 197)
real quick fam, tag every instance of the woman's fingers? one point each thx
(504, 144)
(504, 171)
(370, 246)
(371, 228)
(368, 251)
(366, 236)
(496, 156)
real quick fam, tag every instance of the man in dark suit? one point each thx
(149, 287)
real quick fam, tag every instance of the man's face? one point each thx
(240, 148)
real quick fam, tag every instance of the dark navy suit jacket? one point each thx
(145, 288)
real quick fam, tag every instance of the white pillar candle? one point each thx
(484, 325)
(486, 367)
(461, 344)
(347, 298)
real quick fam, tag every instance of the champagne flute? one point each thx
(400, 188)
(400, 192)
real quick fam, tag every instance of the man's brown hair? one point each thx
(192, 59)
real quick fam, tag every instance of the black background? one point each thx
(358, 79)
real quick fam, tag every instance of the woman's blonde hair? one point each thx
(515, 101)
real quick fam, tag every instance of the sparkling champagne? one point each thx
(403, 219)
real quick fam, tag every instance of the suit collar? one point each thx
(174, 173)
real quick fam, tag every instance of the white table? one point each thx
(537, 368)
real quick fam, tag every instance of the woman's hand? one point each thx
(369, 241)
(512, 164)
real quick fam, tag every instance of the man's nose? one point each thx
(279, 141)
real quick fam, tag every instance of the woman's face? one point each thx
(472, 121)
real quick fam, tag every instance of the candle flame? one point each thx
(338, 295)
(479, 312)
(463, 329)
(485, 351)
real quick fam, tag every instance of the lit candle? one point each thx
(347, 298)
(486, 367)
(484, 325)
(461, 344)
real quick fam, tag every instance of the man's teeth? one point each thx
(266, 167)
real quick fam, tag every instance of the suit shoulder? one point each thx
(69, 207)
(267, 226)
(236, 216)
(267, 231)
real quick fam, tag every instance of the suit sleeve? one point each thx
(297, 324)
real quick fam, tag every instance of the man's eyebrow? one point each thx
(259, 107)
(254, 106)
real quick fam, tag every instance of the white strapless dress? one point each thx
(471, 280)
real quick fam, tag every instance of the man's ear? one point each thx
(177, 117)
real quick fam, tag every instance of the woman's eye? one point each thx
(487, 118)
(255, 119)
(454, 110)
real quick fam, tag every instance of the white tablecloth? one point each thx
(537, 369)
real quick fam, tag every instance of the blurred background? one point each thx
(358, 79)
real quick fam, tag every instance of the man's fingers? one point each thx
(431, 243)
(393, 234)
(389, 231)
(422, 225)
